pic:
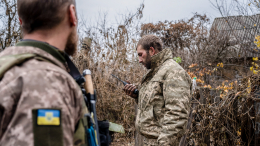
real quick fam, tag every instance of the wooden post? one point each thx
(183, 141)
(205, 99)
(204, 96)
(215, 96)
(257, 117)
(247, 131)
(257, 123)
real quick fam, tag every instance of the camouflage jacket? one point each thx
(32, 85)
(163, 101)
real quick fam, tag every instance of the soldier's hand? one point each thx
(129, 90)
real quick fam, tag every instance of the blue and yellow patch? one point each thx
(48, 117)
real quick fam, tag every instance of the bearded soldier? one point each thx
(164, 95)
(40, 103)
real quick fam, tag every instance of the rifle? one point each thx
(101, 128)
(99, 133)
(125, 83)
(91, 97)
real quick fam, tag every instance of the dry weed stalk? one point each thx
(217, 118)
(111, 50)
(10, 31)
(226, 121)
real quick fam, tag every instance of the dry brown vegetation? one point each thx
(111, 50)
(226, 120)
(224, 107)
(221, 104)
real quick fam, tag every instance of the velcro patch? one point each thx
(48, 117)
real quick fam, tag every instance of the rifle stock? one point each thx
(92, 96)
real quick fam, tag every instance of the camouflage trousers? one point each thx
(140, 140)
(150, 142)
(143, 141)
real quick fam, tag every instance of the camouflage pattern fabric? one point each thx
(163, 102)
(150, 142)
(36, 84)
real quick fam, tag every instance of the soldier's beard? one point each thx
(148, 61)
(72, 43)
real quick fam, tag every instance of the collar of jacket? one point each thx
(159, 58)
(156, 61)
(45, 47)
(60, 58)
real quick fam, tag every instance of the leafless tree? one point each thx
(10, 29)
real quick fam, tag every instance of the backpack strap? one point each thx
(9, 61)
(80, 134)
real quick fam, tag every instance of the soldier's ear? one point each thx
(20, 20)
(73, 15)
(152, 51)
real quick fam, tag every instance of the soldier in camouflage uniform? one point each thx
(164, 95)
(40, 103)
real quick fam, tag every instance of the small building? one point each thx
(238, 33)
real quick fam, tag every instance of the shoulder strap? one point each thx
(9, 61)
(80, 134)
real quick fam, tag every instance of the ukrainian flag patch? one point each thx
(48, 117)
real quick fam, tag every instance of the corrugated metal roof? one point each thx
(239, 29)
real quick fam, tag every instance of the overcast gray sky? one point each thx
(154, 11)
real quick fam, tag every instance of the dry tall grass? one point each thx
(110, 50)
(223, 112)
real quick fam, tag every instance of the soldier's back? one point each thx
(33, 87)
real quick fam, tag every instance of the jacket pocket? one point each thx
(146, 118)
